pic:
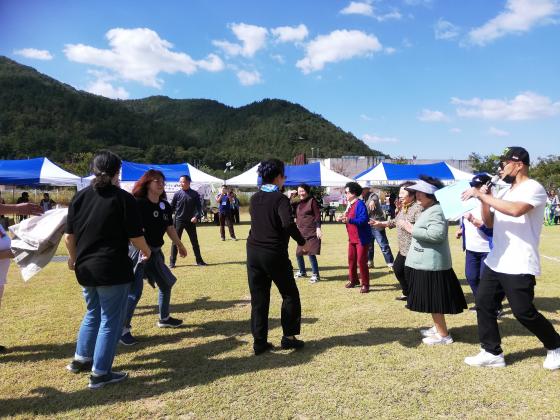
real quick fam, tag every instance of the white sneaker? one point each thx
(552, 361)
(428, 332)
(437, 339)
(314, 279)
(299, 275)
(390, 267)
(370, 264)
(485, 359)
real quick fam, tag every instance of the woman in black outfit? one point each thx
(272, 225)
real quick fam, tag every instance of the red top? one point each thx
(352, 229)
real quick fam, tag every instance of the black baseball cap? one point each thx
(515, 153)
(480, 179)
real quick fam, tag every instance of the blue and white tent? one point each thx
(394, 174)
(132, 171)
(35, 172)
(313, 174)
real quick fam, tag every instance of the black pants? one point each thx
(235, 214)
(520, 292)
(400, 272)
(190, 227)
(263, 268)
(226, 219)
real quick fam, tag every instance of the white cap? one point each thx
(423, 186)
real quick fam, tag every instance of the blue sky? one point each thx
(430, 78)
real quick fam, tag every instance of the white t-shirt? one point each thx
(475, 239)
(5, 243)
(516, 239)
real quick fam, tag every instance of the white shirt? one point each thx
(5, 243)
(475, 239)
(516, 239)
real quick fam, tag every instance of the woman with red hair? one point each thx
(155, 214)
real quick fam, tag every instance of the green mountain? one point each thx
(40, 116)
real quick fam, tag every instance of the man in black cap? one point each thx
(516, 216)
(187, 207)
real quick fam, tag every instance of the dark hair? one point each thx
(187, 177)
(354, 188)
(305, 187)
(432, 181)
(140, 188)
(105, 166)
(269, 169)
(45, 194)
(408, 184)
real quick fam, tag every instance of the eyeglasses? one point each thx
(504, 164)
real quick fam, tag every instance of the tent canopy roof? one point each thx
(384, 173)
(313, 174)
(34, 172)
(132, 171)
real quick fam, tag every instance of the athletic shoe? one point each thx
(472, 308)
(223, 239)
(390, 266)
(127, 339)
(401, 297)
(437, 339)
(75, 366)
(314, 279)
(261, 348)
(428, 332)
(3, 349)
(291, 343)
(299, 275)
(234, 239)
(201, 263)
(370, 264)
(486, 359)
(171, 265)
(170, 322)
(552, 361)
(96, 382)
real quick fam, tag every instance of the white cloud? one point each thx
(365, 8)
(104, 88)
(34, 54)
(406, 43)
(455, 130)
(337, 46)
(249, 78)
(278, 58)
(390, 50)
(525, 106)
(445, 30)
(253, 38)
(493, 131)
(140, 55)
(427, 115)
(290, 33)
(366, 117)
(373, 138)
(519, 16)
(358, 8)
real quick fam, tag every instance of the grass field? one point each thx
(363, 356)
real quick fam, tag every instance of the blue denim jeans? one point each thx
(135, 294)
(380, 237)
(312, 260)
(102, 326)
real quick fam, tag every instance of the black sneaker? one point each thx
(76, 366)
(3, 349)
(261, 348)
(127, 339)
(201, 263)
(169, 323)
(96, 382)
(291, 343)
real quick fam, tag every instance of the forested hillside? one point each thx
(40, 116)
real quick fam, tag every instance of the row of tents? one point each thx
(41, 171)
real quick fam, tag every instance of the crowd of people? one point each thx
(114, 241)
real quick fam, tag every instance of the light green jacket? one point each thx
(429, 249)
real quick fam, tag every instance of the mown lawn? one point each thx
(363, 356)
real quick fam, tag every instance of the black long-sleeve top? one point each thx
(186, 205)
(272, 222)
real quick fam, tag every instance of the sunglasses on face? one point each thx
(502, 165)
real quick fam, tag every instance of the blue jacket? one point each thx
(361, 219)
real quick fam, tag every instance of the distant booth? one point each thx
(35, 172)
(392, 174)
(313, 174)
